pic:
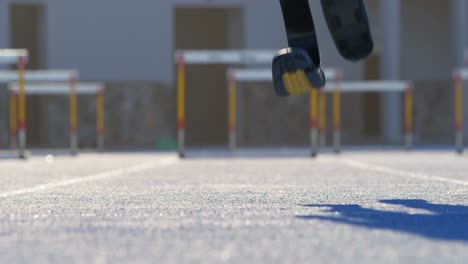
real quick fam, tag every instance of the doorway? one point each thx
(206, 95)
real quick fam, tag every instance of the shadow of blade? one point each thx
(445, 222)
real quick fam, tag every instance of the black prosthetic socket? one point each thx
(300, 28)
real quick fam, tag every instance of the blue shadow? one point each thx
(445, 222)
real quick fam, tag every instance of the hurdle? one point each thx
(63, 89)
(316, 99)
(459, 76)
(374, 86)
(18, 57)
(9, 76)
(204, 57)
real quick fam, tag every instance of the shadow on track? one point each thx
(445, 222)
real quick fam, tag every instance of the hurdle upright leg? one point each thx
(22, 108)
(409, 117)
(181, 105)
(73, 117)
(313, 123)
(459, 114)
(232, 112)
(337, 115)
(322, 117)
(100, 118)
(13, 120)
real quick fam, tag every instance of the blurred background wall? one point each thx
(130, 46)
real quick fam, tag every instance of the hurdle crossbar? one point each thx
(9, 76)
(265, 75)
(61, 89)
(201, 57)
(57, 88)
(226, 56)
(11, 56)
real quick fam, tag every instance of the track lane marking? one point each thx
(161, 162)
(387, 170)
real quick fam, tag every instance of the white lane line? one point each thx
(387, 170)
(160, 162)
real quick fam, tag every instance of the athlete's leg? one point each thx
(297, 70)
(300, 28)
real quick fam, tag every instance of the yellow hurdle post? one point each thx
(73, 116)
(100, 118)
(337, 115)
(181, 105)
(322, 117)
(232, 112)
(313, 122)
(459, 113)
(13, 120)
(22, 107)
(409, 117)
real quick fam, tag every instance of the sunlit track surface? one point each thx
(253, 206)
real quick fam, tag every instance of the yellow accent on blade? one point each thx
(297, 83)
(305, 84)
(288, 84)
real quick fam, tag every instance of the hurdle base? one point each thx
(24, 155)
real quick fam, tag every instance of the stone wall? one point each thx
(137, 115)
(269, 120)
(434, 120)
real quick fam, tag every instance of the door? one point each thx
(206, 93)
(26, 32)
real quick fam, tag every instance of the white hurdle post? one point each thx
(63, 89)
